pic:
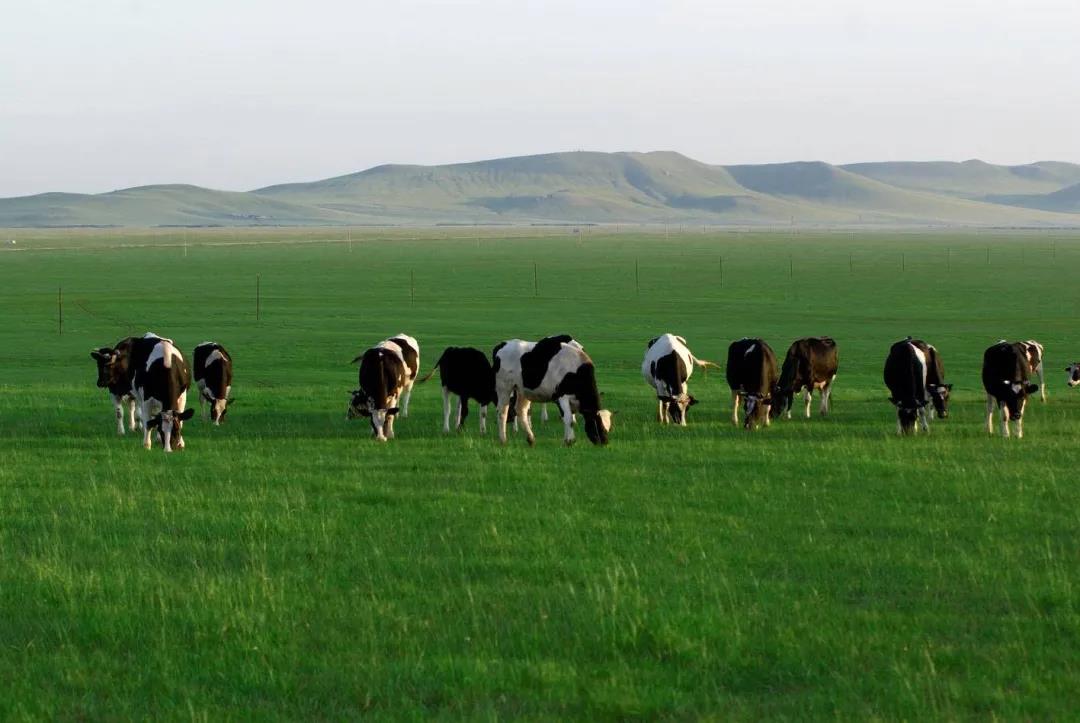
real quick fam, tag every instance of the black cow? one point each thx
(466, 373)
(383, 377)
(550, 370)
(214, 377)
(810, 364)
(751, 374)
(906, 376)
(161, 380)
(1005, 374)
(114, 374)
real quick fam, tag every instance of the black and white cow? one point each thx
(383, 376)
(549, 370)
(1005, 374)
(214, 377)
(466, 373)
(906, 371)
(935, 378)
(751, 374)
(1072, 373)
(114, 374)
(810, 363)
(1035, 358)
(667, 368)
(161, 380)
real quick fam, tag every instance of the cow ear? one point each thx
(693, 401)
(392, 410)
(949, 387)
(186, 414)
(666, 399)
(95, 354)
(357, 359)
(154, 421)
(1032, 388)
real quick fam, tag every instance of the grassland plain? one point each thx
(285, 566)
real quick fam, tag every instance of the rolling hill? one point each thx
(590, 187)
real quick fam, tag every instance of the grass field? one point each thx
(285, 566)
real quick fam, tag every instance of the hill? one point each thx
(590, 187)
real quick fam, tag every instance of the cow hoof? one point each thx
(532, 441)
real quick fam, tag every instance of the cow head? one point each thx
(597, 425)
(678, 405)
(907, 413)
(169, 425)
(1073, 372)
(1014, 394)
(363, 405)
(781, 401)
(108, 369)
(939, 395)
(757, 407)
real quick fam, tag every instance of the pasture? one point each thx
(286, 566)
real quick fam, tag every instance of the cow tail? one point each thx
(433, 369)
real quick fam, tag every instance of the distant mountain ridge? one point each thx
(592, 187)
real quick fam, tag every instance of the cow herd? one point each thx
(148, 378)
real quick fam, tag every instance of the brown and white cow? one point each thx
(1005, 374)
(214, 378)
(1035, 358)
(114, 374)
(751, 374)
(160, 383)
(810, 363)
(549, 370)
(382, 380)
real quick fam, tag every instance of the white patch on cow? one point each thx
(749, 349)
(605, 419)
(215, 355)
(1072, 377)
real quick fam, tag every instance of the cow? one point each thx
(1005, 374)
(160, 383)
(667, 367)
(114, 374)
(466, 373)
(935, 378)
(382, 379)
(214, 377)
(549, 370)
(1072, 374)
(1035, 357)
(906, 375)
(409, 350)
(751, 374)
(810, 363)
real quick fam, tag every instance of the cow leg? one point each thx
(899, 428)
(501, 411)
(460, 413)
(524, 418)
(568, 420)
(659, 411)
(483, 418)
(990, 403)
(118, 408)
(543, 413)
(145, 413)
(735, 407)
(131, 414)
(445, 410)
(808, 398)
(924, 419)
(406, 394)
(826, 397)
(1042, 382)
(1005, 420)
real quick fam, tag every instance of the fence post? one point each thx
(258, 296)
(903, 262)
(637, 279)
(536, 281)
(412, 286)
(721, 272)
(60, 309)
(790, 266)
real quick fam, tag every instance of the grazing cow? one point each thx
(467, 373)
(810, 364)
(549, 370)
(1005, 374)
(907, 376)
(114, 374)
(1073, 374)
(935, 378)
(667, 368)
(751, 374)
(214, 376)
(383, 376)
(160, 382)
(1035, 359)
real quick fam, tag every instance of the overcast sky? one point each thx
(239, 94)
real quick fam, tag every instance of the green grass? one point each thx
(286, 566)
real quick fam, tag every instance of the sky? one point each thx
(239, 94)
